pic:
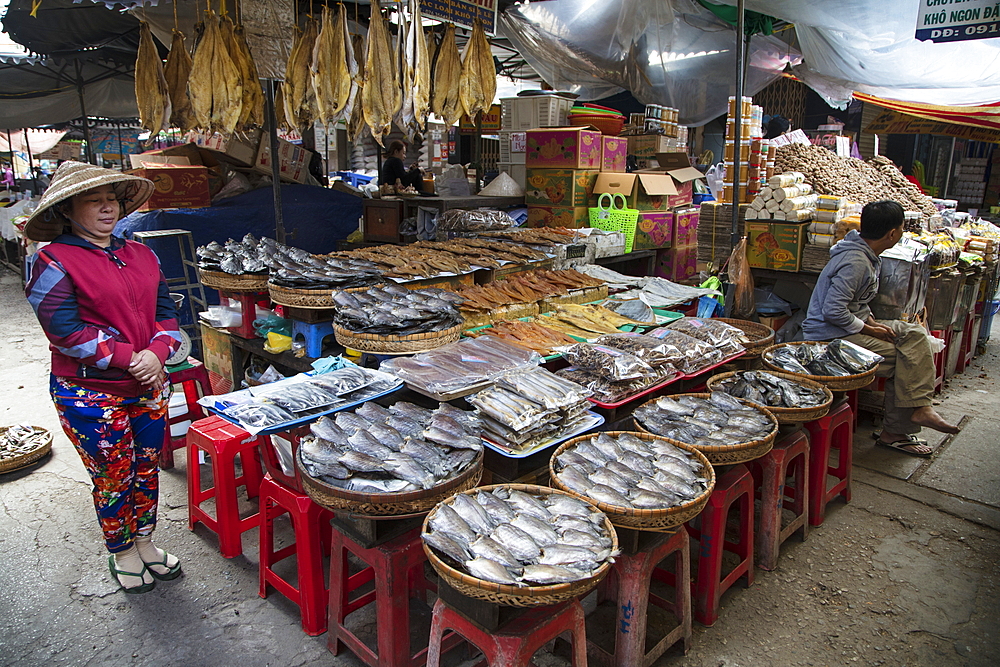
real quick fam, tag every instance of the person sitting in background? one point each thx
(839, 309)
(393, 172)
(776, 127)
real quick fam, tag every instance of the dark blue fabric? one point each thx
(315, 219)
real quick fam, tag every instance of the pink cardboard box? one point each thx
(685, 231)
(564, 147)
(677, 264)
(614, 154)
(653, 229)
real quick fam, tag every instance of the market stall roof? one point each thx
(37, 91)
(67, 28)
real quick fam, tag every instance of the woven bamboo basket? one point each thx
(651, 520)
(760, 336)
(301, 298)
(227, 282)
(786, 415)
(517, 596)
(26, 459)
(378, 344)
(389, 504)
(740, 452)
(831, 382)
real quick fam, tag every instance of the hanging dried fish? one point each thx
(380, 95)
(403, 48)
(215, 86)
(299, 97)
(422, 72)
(330, 74)
(253, 93)
(176, 73)
(151, 92)
(478, 83)
(356, 118)
(445, 101)
(227, 31)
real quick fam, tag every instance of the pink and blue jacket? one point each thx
(99, 305)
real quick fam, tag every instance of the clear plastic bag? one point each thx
(544, 388)
(258, 416)
(654, 351)
(510, 409)
(604, 390)
(615, 364)
(697, 354)
(726, 338)
(742, 279)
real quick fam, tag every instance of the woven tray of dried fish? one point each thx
(641, 481)
(227, 282)
(759, 336)
(22, 445)
(725, 429)
(383, 344)
(839, 365)
(792, 399)
(390, 461)
(519, 545)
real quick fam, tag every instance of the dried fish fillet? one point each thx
(299, 96)
(478, 82)
(215, 86)
(380, 96)
(445, 100)
(151, 91)
(253, 93)
(176, 73)
(331, 78)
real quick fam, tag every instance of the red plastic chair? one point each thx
(789, 457)
(515, 643)
(733, 487)
(311, 523)
(835, 431)
(194, 384)
(223, 441)
(628, 584)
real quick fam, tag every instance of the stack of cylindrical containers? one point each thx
(756, 156)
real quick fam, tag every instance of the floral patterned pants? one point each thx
(119, 440)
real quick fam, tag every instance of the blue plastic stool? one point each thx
(313, 333)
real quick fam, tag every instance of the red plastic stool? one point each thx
(194, 383)
(834, 431)
(734, 486)
(789, 457)
(969, 340)
(248, 306)
(312, 537)
(632, 574)
(223, 441)
(515, 643)
(852, 400)
(396, 567)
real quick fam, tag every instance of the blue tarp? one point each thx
(315, 219)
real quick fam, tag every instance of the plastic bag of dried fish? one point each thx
(510, 537)
(477, 220)
(343, 380)
(726, 338)
(544, 388)
(627, 471)
(508, 408)
(656, 352)
(719, 420)
(616, 364)
(697, 354)
(461, 364)
(258, 416)
(604, 390)
(838, 358)
(766, 389)
(391, 450)
(300, 396)
(634, 309)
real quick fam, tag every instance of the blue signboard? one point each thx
(957, 20)
(462, 12)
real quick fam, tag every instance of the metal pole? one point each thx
(477, 150)
(31, 161)
(947, 175)
(738, 120)
(272, 135)
(121, 147)
(83, 113)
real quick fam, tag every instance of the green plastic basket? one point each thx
(613, 218)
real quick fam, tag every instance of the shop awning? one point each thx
(985, 116)
(894, 122)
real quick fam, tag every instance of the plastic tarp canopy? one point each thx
(850, 45)
(669, 52)
(315, 219)
(38, 91)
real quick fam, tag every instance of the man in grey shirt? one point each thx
(839, 309)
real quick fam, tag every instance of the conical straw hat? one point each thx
(73, 178)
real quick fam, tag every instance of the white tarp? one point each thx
(670, 52)
(38, 141)
(850, 45)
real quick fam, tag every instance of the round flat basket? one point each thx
(301, 298)
(651, 520)
(29, 457)
(787, 415)
(227, 282)
(760, 336)
(378, 344)
(740, 452)
(517, 596)
(388, 504)
(831, 382)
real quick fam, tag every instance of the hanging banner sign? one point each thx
(462, 12)
(491, 122)
(892, 122)
(957, 20)
(109, 141)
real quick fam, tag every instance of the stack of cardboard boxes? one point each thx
(563, 164)
(667, 221)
